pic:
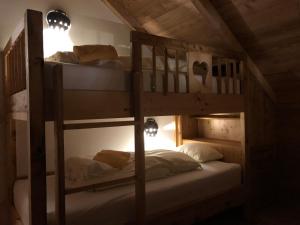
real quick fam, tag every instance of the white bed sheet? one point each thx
(84, 77)
(116, 206)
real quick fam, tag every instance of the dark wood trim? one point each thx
(153, 77)
(59, 140)
(138, 109)
(166, 74)
(7, 166)
(176, 74)
(221, 116)
(77, 126)
(36, 121)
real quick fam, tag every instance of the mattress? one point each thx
(116, 206)
(107, 78)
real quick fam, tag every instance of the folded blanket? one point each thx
(87, 54)
(63, 57)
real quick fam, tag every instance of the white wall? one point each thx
(92, 23)
(86, 143)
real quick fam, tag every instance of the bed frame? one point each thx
(27, 99)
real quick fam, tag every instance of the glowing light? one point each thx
(56, 40)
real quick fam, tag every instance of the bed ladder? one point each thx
(138, 123)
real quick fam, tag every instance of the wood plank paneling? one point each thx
(273, 43)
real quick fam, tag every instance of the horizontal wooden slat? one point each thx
(76, 126)
(192, 104)
(104, 104)
(224, 116)
(49, 173)
(103, 185)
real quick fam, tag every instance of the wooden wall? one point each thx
(224, 129)
(260, 116)
(289, 152)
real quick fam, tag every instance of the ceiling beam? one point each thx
(206, 9)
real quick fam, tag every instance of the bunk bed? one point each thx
(36, 97)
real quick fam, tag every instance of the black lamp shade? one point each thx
(151, 127)
(58, 19)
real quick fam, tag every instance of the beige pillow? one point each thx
(116, 159)
(63, 57)
(201, 152)
(82, 169)
(88, 54)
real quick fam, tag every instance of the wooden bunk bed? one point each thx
(28, 99)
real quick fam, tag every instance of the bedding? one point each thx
(158, 164)
(201, 152)
(63, 57)
(116, 159)
(116, 206)
(80, 169)
(87, 54)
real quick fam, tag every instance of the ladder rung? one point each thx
(102, 185)
(75, 126)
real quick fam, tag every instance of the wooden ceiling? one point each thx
(269, 30)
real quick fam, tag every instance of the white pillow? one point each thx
(177, 162)
(82, 169)
(201, 152)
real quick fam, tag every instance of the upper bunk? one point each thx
(180, 78)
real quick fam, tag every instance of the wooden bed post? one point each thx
(138, 93)
(60, 153)
(178, 130)
(5, 193)
(36, 121)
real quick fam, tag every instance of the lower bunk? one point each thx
(178, 199)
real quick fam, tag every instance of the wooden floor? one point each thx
(281, 214)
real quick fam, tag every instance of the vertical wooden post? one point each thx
(176, 77)
(138, 93)
(219, 77)
(227, 63)
(36, 121)
(59, 139)
(188, 74)
(242, 71)
(234, 72)
(166, 77)
(178, 130)
(6, 192)
(153, 78)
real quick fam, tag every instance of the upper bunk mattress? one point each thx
(116, 206)
(107, 78)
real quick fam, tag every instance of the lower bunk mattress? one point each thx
(116, 206)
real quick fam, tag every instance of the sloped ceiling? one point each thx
(269, 30)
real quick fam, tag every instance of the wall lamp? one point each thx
(58, 19)
(151, 127)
